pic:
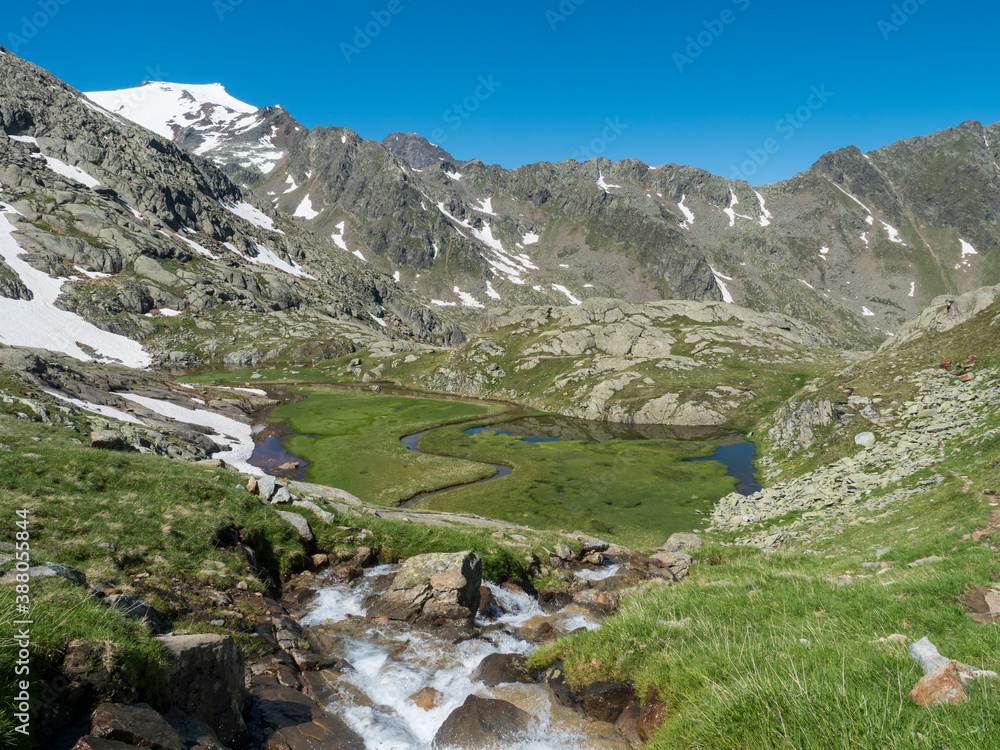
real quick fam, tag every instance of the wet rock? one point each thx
(205, 679)
(497, 669)
(346, 574)
(427, 698)
(436, 588)
(628, 724)
(295, 721)
(651, 715)
(134, 725)
(602, 602)
(537, 629)
(96, 743)
(481, 723)
(605, 701)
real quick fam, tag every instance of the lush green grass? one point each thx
(352, 440)
(780, 652)
(635, 492)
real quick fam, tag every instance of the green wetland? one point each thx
(633, 484)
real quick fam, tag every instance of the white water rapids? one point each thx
(389, 666)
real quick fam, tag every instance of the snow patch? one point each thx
(867, 313)
(688, 213)
(485, 206)
(342, 244)
(913, 288)
(306, 210)
(39, 323)
(235, 436)
(893, 234)
(467, 299)
(269, 258)
(765, 215)
(378, 320)
(292, 186)
(604, 185)
(453, 175)
(807, 284)
(569, 295)
(104, 411)
(252, 214)
(967, 251)
(720, 280)
(530, 238)
(491, 292)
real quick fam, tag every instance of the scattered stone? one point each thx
(865, 439)
(266, 487)
(925, 561)
(108, 440)
(681, 542)
(301, 525)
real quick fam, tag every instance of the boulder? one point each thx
(44, 570)
(497, 669)
(134, 725)
(435, 588)
(678, 563)
(865, 439)
(537, 629)
(294, 721)
(300, 524)
(137, 609)
(90, 742)
(681, 542)
(481, 723)
(266, 487)
(205, 679)
(940, 686)
(605, 701)
(108, 440)
(628, 724)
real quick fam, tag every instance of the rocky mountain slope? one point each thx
(112, 235)
(855, 245)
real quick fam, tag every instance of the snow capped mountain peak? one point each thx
(165, 108)
(204, 118)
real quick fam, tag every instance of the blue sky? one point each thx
(705, 84)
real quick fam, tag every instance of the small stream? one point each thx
(389, 665)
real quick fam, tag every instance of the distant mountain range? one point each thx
(856, 244)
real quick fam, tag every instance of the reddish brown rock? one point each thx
(606, 701)
(427, 698)
(939, 686)
(628, 724)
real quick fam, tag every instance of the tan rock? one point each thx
(940, 686)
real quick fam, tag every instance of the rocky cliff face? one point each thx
(107, 226)
(416, 150)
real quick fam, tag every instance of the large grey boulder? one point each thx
(205, 679)
(301, 525)
(682, 542)
(437, 588)
(481, 723)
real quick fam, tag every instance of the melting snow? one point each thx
(913, 288)
(92, 274)
(378, 320)
(765, 215)
(395, 277)
(530, 238)
(440, 303)
(467, 299)
(807, 283)
(453, 175)
(104, 411)
(197, 248)
(864, 238)
(491, 292)
(39, 323)
(569, 295)
(235, 436)
(58, 166)
(893, 234)
(731, 210)
(341, 243)
(252, 214)
(604, 185)
(867, 313)
(720, 280)
(500, 260)
(688, 213)
(967, 251)
(305, 209)
(485, 206)
(291, 183)
(269, 258)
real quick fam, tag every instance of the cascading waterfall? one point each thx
(389, 666)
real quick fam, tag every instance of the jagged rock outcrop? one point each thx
(434, 588)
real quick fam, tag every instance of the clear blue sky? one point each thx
(563, 70)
